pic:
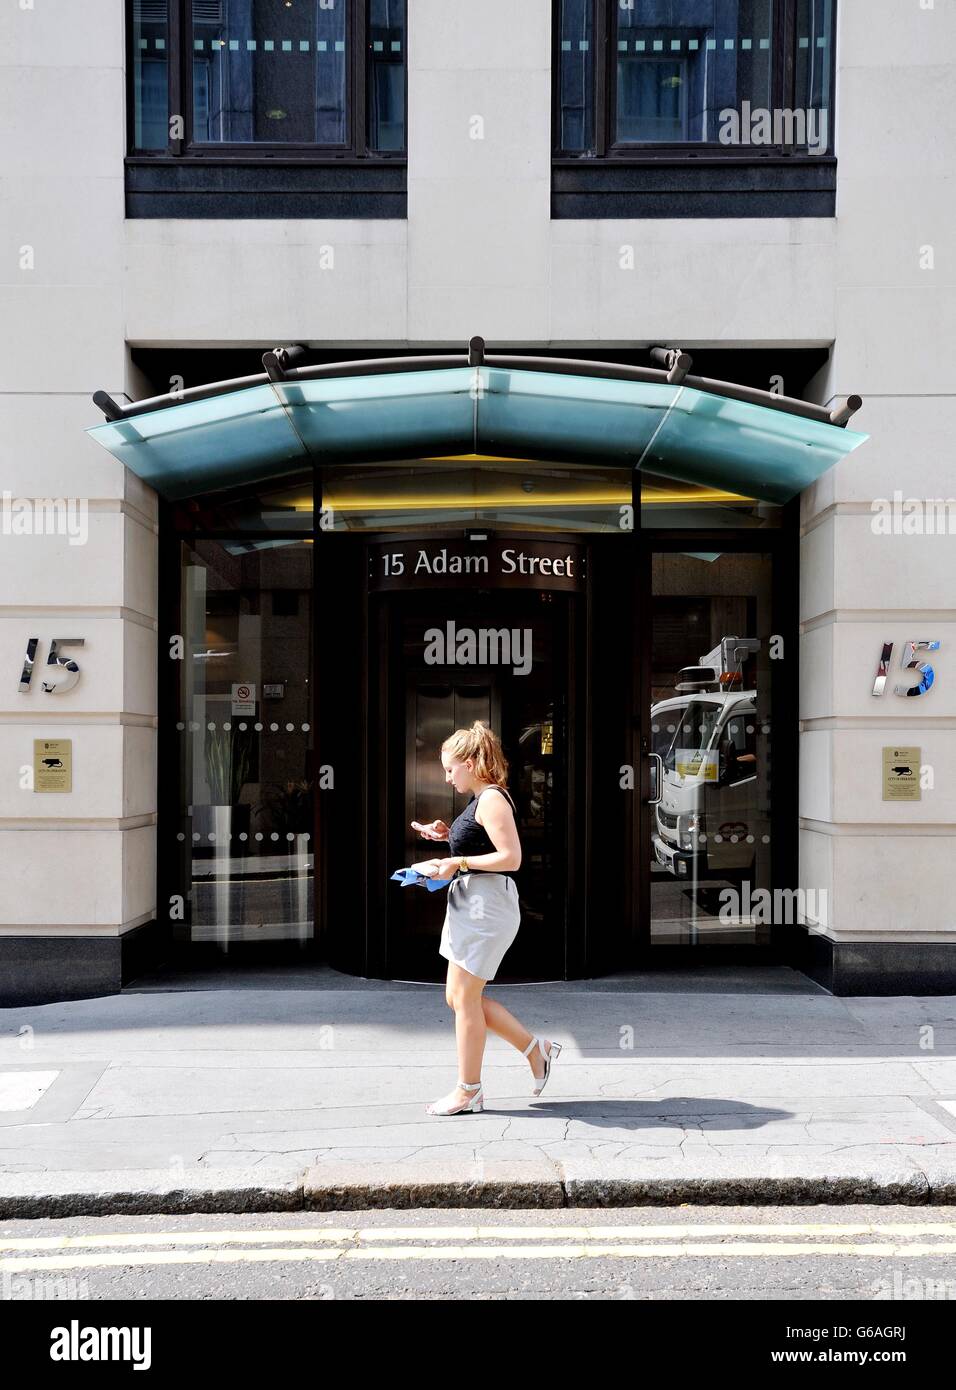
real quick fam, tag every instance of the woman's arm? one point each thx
(498, 821)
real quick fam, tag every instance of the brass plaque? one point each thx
(52, 764)
(901, 774)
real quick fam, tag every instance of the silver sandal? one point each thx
(553, 1049)
(468, 1107)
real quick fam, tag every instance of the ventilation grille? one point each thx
(154, 11)
(149, 11)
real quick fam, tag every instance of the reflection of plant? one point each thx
(291, 807)
(227, 765)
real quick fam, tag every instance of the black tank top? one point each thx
(466, 837)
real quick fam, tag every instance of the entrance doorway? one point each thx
(529, 699)
(646, 704)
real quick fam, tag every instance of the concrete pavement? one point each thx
(275, 1090)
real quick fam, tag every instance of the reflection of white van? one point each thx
(709, 817)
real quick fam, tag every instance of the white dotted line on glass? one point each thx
(273, 728)
(710, 45)
(269, 45)
(259, 835)
(702, 728)
(735, 839)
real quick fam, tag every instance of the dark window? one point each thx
(813, 77)
(265, 74)
(735, 76)
(149, 74)
(678, 66)
(576, 75)
(386, 75)
(243, 77)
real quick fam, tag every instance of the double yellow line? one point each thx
(332, 1243)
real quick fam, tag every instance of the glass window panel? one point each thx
(270, 73)
(576, 76)
(279, 507)
(148, 61)
(681, 64)
(460, 491)
(670, 502)
(244, 835)
(386, 74)
(755, 450)
(710, 718)
(221, 441)
(814, 67)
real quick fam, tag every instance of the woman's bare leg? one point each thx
(463, 994)
(500, 1021)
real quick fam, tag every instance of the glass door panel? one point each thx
(708, 841)
(244, 838)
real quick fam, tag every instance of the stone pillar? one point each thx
(887, 866)
(479, 170)
(79, 866)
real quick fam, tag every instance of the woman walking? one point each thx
(483, 914)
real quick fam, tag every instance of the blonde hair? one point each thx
(483, 744)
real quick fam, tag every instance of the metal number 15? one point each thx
(65, 672)
(909, 663)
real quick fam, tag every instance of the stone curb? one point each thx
(492, 1185)
(144, 1192)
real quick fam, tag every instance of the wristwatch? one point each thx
(463, 865)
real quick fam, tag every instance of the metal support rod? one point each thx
(844, 409)
(789, 405)
(190, 393)
(676, 361)
(370, 366)
(280, 359)
(279, 368)
(679, 368)
(379, 366)
(109, 407)
(574, 366)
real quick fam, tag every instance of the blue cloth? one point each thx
(409, 877)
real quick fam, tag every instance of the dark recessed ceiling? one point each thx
(746, 366)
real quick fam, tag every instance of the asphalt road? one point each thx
(898, 1254)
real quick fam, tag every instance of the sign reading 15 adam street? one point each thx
(495, 563)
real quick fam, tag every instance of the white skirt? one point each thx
(481, 921)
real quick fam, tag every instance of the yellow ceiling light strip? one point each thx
(489, 499)
(522, 499)
(473, 458)
(703, 495)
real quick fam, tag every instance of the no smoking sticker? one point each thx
(244, 698)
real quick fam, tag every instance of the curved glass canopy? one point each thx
(672, 430)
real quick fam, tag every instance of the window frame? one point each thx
(353, 151)
(697, 152)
